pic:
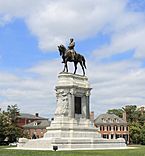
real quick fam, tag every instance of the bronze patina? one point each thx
(70, 55)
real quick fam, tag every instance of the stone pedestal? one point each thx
(72, 94)
(72, 127)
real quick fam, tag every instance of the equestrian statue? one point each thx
(70, 55)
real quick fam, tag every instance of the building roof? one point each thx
(29, 116)
(39, 124)
(109, 119)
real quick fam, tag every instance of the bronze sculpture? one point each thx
(69, 55)
(71, 48)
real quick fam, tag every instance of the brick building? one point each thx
(25, 118)
(33, 125)
(37, 128)
(112, 127)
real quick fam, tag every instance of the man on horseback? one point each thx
(69, 55)
(71, 49)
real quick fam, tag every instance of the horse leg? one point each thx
(82, 68)
(66, 67)
(75, 64)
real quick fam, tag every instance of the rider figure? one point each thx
(71, 48)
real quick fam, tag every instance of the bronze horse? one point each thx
(67, 57)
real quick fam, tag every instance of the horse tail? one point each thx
(84, 64)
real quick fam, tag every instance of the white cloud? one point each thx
(127, 32)
(55, 21)
(114, 85)
(132, 39)
(32, 94)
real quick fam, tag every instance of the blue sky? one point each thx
(19, 48)
(110, 34)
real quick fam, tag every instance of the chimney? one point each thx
(124, 116)
(36, 114)
(92, 116)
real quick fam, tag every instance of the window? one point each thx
(117, 136)
(105, 136)
(116, 120)
(35, 123)
(108, 128)
(112, 136)
(115, 128)
(103, 120)
(78, 105)
(122, 128)
(127, 128)
(110, 120)
(101, 128)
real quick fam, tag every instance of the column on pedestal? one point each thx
(87, 107)
(71, 104)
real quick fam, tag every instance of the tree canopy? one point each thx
(8, 124)
(136, 120)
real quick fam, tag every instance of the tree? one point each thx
(4, 124)
(142, 119)
(117, 112)
(8, 124)
(136, 120)
(13, 111)
(135, 131)
(142, 135)
(14, 132)
(132, 114)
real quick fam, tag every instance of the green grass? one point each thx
(140, 151)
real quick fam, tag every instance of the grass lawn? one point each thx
(140, 151)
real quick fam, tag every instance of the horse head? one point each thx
(61, 49)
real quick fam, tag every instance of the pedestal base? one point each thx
(69, 134)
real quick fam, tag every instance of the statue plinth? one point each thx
(72, 93)
(72, 110)
(72, 127)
